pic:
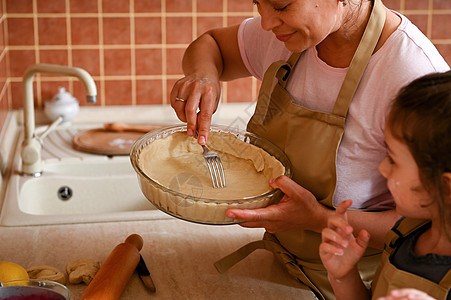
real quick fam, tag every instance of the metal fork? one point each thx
(214, 165)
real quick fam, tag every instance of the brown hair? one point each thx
(421, 118)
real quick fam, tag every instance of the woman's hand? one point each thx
(195, 98)
(340, 251)
(407, 294)
(213, 56)
(298, 209)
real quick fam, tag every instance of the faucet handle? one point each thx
(31, 158)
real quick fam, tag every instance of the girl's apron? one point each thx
(310, 139)
(388, 277)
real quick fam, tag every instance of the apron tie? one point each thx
(288, 260)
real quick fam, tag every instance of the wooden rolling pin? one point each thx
(113, 275)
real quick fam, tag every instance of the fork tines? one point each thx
(215, 168)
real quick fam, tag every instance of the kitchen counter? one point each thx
(179, 255)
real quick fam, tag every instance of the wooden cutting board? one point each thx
(105, 142)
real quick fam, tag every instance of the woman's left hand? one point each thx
(298, 209)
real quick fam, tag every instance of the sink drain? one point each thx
(64, 193)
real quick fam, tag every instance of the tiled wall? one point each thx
(133, 48)
(5, 104)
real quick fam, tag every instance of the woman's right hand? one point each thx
(212, 57)
(195, 98)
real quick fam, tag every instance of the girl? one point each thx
(417, 252)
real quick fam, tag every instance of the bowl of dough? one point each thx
(173, 174)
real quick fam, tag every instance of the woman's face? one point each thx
(300, 24)
(403, 181)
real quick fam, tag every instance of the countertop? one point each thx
(179, 255)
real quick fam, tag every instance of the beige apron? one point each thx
(388, 277)
(310, 139)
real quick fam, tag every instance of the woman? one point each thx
(323, 54)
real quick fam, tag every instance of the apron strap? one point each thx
(292, 62)
(268, 243)
(404, 227)
(446, 280)
(280, 70)
(233, 258)
(360, 60)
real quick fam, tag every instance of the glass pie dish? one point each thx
(188, 195)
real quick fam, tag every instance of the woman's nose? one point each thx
(384, 167)
(269, 20)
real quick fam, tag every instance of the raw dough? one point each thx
(82, 270)
(176, 162)
(46, 273)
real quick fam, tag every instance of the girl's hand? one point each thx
(195, 98)
(407, 294)
(340, 251)
(298, 209)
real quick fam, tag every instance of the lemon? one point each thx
(11, 271)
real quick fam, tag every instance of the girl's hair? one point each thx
(421, 118)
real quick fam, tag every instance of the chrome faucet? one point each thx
(31, 148)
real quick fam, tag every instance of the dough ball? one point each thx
(82, 270)
(46, 273)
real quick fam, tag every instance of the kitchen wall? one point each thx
(5, 104)
(133, 48)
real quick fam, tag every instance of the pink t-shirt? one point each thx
(406, 55)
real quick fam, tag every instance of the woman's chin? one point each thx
(293, 47)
